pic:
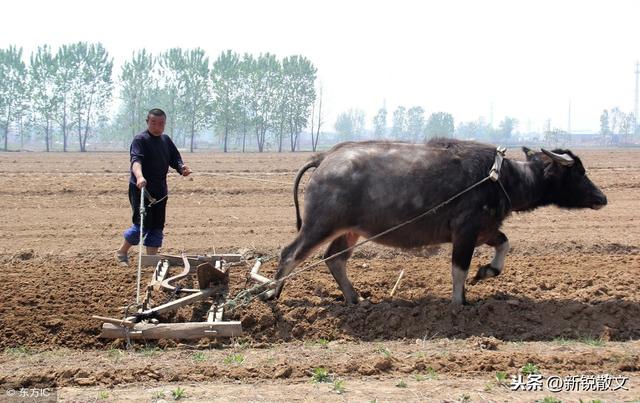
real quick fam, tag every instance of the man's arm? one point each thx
(136, 168)
(137, 155)
(175, 160)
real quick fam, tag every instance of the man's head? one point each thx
(156, 118)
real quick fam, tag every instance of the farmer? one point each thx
(152, 153)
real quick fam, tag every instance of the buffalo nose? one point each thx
(601, 201)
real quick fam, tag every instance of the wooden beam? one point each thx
(117, 322)
(193, 330)
(189, 299)
(194, 260)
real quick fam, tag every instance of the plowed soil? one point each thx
(567, 301)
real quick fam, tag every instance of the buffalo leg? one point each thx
(460, 260)
(295, 253)
(501, 244)
(338, 265)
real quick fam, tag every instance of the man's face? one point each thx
(155, 124)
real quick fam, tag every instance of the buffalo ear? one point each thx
(529, 153)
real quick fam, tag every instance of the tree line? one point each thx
(239, 97)
(413, 125)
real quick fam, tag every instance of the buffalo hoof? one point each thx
(349, 301)
(485, 272)
(458, 308)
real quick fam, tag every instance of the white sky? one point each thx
(527, 58)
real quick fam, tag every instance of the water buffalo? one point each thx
(360, 189)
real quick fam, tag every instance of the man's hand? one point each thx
(141, 182)
(186, 170)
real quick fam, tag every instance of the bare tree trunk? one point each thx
(260, 136)
(226, 136)
(64, 125)
(313, 111)
(193, 133)
(86, 123)
(315, 142)
(80, 132)
(280, 136)
(46, 134)
(21, 135)
(6, 136)
(244, 133)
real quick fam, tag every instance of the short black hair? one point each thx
(156, 112)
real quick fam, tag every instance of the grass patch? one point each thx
(501, 377)
(385, 352)
(178, 393)
(115, 354)
(591, 341)
(530, 369)
(18, 351)
(338, 386)
(236, 359)
(199, 357)
(431, 373)
(243, 343)
(149, 351)
(401, 384)
(549, 400)
(103, 395)
(320, 375)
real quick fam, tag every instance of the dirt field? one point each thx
(567, 302)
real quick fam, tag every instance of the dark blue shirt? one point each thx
(156, 154)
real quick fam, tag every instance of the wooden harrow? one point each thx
(213, 280)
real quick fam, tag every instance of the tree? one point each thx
(616, 118)
(138, 87)
(556, 136)
(46, 101)
(247, 115)
(171, 65)
(626, 127)
(399, 127)
(196, 101)
(263, 77)
(91, 88)
(226, 85)
(298, 80)
(187, 88)
(314, 139)
(350, 124)
(415, 123)
(478, 130)
(13, 89)
(605, 132)
(380, 123)
(66, 71)
(505, 128)
(439, 124)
